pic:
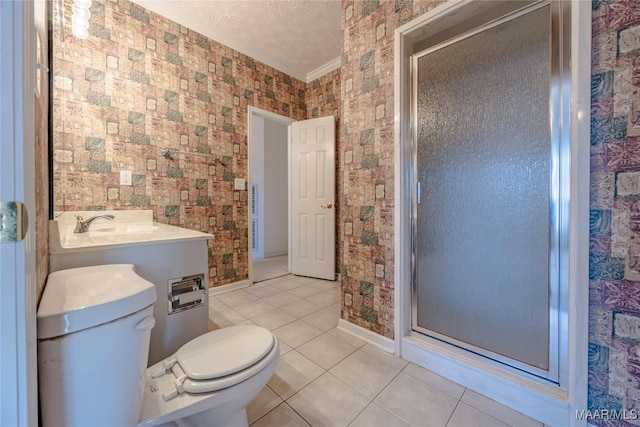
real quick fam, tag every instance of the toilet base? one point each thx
(222, 408)
(212, 418)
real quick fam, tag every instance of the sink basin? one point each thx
(127, 228)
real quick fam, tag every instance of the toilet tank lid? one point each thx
(80, 298)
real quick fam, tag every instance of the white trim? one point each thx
(324, 69)
(384, 343)
(538, 401)
(223, 289)
(579, 205)
(18, 367)
(289, 172)
(402, 197)
(550, 404)
(259, 112)
(269, 115)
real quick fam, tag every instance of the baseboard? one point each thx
(274, 254)
(228, 288)
(364, 334)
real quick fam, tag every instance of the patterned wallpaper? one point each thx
(323, 96)
(367, 156)
(323, 99)
(147, 95)
(614, 255)
(42, 154)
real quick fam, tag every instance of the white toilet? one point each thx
(94, 326)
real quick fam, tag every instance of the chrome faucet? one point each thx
(82, 226)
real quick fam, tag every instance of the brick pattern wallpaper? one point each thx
(147, 95)
(614, 254)
(367, 156)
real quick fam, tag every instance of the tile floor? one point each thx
(330, 378)
(268, 268)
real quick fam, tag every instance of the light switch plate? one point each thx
(125, 178)
(239, 184)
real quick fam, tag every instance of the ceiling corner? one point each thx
(324, 69)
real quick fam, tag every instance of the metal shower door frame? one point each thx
(559, 103)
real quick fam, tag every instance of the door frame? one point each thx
(264, 114)
(554, 405)
(18, 355)
(554, 204)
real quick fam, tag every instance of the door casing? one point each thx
(18, 357)
(258, 112)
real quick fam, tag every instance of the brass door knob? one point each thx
(328, 206)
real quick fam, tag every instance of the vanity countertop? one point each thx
(128, 228)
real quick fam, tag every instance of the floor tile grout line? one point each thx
(484, 411)
(301, 344)
(348, 385)
(298, 391)
(250, 318)
(335, 364)
(433, 385)
(298, 413)
(327, 370)
(372, 400)
(296, 318)
(453, 412)
(381, 360)
(259, 299)
(268, 412)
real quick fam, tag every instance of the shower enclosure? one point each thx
(487, 175)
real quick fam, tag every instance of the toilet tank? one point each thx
(94, 326)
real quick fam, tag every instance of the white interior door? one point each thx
(313, 198)
(18, 363)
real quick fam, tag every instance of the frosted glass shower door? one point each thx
(483, 215)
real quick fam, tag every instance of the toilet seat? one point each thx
(224, 352)
(217, 360)
(157, 411)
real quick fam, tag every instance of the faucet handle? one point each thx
(79, 217)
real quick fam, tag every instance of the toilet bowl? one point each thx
(225, 369)
(94, 328)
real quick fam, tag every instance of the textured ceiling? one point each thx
(298, 37)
